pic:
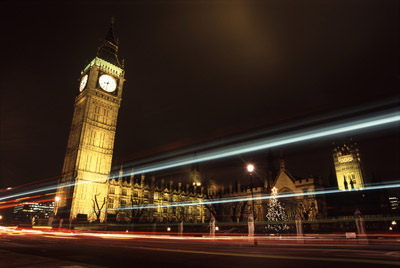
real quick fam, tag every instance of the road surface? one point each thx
(48, 249)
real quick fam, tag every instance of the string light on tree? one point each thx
(276, 215)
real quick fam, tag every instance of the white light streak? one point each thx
(248, 198)
(266, 143)
(327, 130)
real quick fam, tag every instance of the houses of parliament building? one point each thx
(87, 192)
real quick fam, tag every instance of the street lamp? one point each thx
(57, 198)
(250, 169)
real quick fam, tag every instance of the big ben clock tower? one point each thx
(83, 185)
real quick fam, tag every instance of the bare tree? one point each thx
(180, 214)
(97, 208)
(137, 209)
(216, 209)
(238, 211)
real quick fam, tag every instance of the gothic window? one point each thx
(96, 113)
(112, 190)
(110, 203)
(123, 203)
(146, 194)
(135, 193)
(123, 191)
(101, 142)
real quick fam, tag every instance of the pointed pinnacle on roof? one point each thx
(110, 34)
(108, 48)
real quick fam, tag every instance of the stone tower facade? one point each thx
(83, 186)
(347, 162)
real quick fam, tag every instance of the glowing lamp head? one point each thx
(250, 168)
(394, 222)
(216, 228)
(1, 217)
(57, 198)
(168, 229)
(198, 184)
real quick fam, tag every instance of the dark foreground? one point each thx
(46, 249)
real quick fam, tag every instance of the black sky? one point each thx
(196, 70)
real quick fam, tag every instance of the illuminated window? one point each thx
(112, 190)
(123, 191)
(110, 203)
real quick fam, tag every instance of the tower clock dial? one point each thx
(107, 83)
(83, 83)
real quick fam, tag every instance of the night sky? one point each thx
(197, 70)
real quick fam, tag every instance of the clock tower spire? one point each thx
(83, 186)
(108, 48)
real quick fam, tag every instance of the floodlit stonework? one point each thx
(90, 146)
(308, 206)
(127, 193)
(347, 162)
(86, 192)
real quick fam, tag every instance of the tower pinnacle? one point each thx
(108, 48)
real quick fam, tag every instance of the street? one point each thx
(47, 249)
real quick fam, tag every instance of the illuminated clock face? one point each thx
(83, 83)
(107, 83)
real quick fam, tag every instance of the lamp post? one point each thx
(250, 169)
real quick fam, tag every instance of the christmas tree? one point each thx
(276, 216)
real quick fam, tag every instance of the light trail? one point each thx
(269, 142)
(27, 203)
(315, 120)
(246, 199)
(25, 200)
(327, 130)
(26, 184)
